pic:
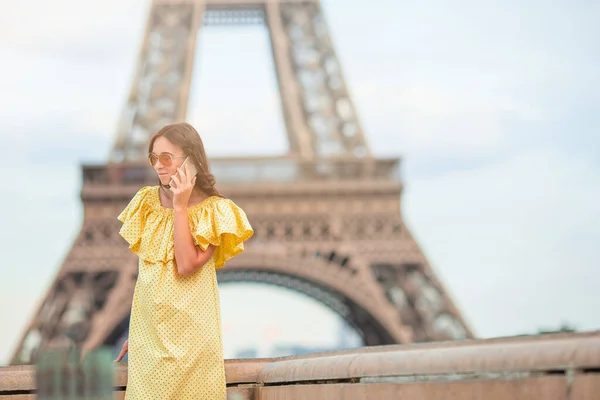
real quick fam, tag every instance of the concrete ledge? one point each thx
(544, 367)
(21, 378)
(492, 358)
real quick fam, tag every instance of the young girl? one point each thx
(182, 230)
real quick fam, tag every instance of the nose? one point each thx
(158, 165)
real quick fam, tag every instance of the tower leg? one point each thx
(160, 90)
(312, 85)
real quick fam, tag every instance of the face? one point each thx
(163, 170)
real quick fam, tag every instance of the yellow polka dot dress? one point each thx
(175, 343)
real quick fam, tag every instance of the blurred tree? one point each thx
(564, 327)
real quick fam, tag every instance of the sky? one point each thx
(493, 106)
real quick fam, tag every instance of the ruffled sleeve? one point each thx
(223, 224)
(133, 218)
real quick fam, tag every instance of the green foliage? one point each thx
(564, 328)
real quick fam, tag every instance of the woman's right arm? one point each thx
(124, 350)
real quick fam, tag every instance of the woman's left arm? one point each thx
(188, 257)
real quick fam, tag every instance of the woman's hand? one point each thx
(124, 350)
(182, 187)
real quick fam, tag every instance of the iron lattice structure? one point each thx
(326, 216)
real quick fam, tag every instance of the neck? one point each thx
(166, 191)
(168, 194)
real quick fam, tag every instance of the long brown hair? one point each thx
(185, 136)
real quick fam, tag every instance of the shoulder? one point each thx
(210, 204)
(222, 223)
(145, 192)
(138, 203)
(217, 210)
(224, 205)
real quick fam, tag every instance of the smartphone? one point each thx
(191, 167)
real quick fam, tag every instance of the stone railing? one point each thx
(548, 367)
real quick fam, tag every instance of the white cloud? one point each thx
(505, 238)
(72, 27)
(43, 215)
(39, 88)
(435, 120)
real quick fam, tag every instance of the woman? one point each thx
(182, 230)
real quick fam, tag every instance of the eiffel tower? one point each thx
(326, 215)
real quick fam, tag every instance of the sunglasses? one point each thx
(165, 159)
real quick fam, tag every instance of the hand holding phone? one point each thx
(191, 168)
